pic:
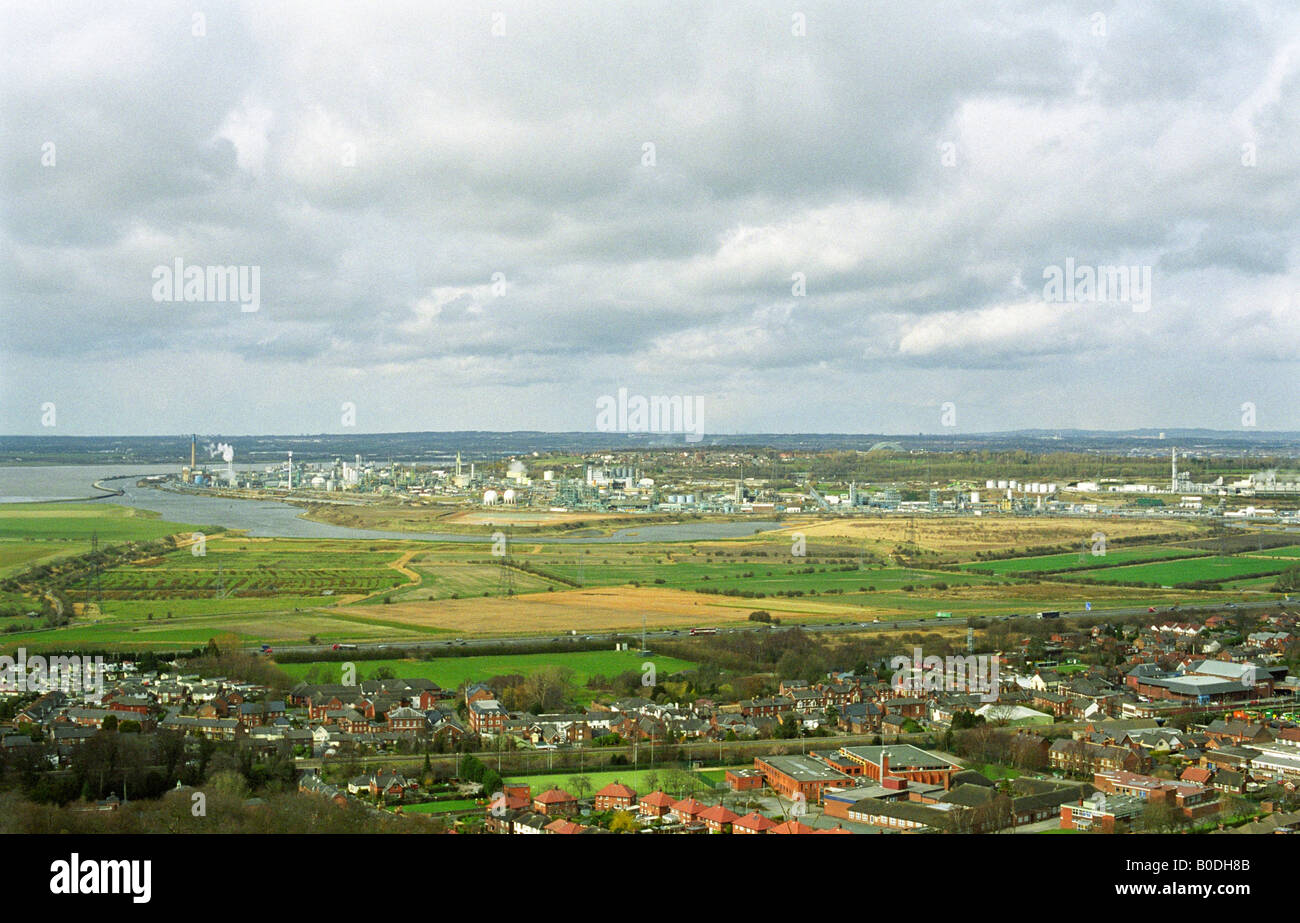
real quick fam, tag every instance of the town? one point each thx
(1136, 726)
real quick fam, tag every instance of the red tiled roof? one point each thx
(658, 800)
(719, 814)
(563, 826)
(754, 821)
(617, 790)
(1198, 774)
(554, 796)
(688, 806)
(791, 826)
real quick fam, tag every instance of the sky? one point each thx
(807, 217)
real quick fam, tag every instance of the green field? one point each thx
(1190, 570)
(1291, 552)
(628, 776)
(450, 672)
(439, 807)
(1051, 563)
(38, 533)
(236, 569)
(291, 591)
(64, 522)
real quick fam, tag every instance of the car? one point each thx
(1151, 608)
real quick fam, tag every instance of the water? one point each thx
(19, 484)
(272, 519)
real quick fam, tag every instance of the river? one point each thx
(272, 519)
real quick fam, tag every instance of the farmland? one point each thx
(287, 591)
(37, 533)
(1189, 570)
(1084, 560)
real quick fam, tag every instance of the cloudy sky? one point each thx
(488, 215)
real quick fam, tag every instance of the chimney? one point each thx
(884, 765)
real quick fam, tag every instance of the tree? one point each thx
(1160, 817)
(228, 782)
(581, 786)
(623, 822)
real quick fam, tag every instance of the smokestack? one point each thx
(194, 438)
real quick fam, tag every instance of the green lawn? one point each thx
(636, 779)
(450, 672)
(439, 807)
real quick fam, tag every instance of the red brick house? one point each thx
(486, 716)
(615, 796)
(656, 804)
(718, 819)
(555, 802)
(688, 809)
(752, 823)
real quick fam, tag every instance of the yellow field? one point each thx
(985, 533)
(592, 609)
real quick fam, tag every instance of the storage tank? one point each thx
(489, 497)
(509, 495)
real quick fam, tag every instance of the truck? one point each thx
(1049, 614)
(943, 615)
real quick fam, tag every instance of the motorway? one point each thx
(463, 646)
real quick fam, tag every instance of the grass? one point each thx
(540, 782)
(1189, 570)
(994, 771)
(439, 807)
(451, 672)
(285, 591)
(78, 522)
(1061, 562)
